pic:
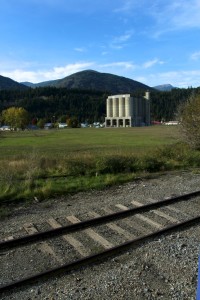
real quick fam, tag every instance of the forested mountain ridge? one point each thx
(164, 87)
(48, 102)
(88, 100)
(7, 83)
(96, 81)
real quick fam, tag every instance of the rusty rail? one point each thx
(92, 222)
(99, 256)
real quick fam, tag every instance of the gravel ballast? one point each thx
(163, 268)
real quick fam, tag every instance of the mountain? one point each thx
(7, 83)
(164, 87)
(29, 84)
(41, 84)
(93, 80)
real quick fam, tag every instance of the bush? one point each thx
(178, 156)
(116, 164)
(176, 151)
(79, 167)
(192, 160)
(152, 164)
(189, 115)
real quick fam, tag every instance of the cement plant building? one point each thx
(127, 111)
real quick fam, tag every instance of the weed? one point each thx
(89, 159)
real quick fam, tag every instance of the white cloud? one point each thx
(21, 75)
(127, 6)
(195, 55)
(122, 38)
(123, 68)
(151, 63)
(44, 75)
(186, 14)
(129, 65)
(175, 15)
(121, 64)
(182, 79)
(80, 49)
(119, 42)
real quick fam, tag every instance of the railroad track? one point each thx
(69, 243)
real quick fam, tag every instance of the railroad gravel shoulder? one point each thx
(164, 268)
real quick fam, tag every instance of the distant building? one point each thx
(5, 128)
(171, 123)
(48, 126)
(62, 125)
(84, 125)
(126, 111)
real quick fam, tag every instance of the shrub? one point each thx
(176, 151)
(116, 164)
(189, 115)
(152, 164)
(77, 167)
(192, 159)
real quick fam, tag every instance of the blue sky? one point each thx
(151, 41)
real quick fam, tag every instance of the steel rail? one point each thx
(99, 256)
(28, 239)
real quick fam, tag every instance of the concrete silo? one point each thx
(115, 107)
(109, 107)
(121, 107)
(126, 111)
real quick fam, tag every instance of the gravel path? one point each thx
(165, 268)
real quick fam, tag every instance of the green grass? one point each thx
(87, 140)
(43, 163)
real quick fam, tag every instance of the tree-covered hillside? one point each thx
(88, 105)
(7, 83)
(164, 105)
(50, 101)
(95, 81)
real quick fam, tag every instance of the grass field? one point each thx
(47, 163)
(86, 140)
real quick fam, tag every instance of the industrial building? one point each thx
(127, 111)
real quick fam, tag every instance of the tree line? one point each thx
(52, 102)
(86, 105)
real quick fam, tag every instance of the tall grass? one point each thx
(46, 164)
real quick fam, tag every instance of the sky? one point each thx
(152, 41)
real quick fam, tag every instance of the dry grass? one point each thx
(78, 159)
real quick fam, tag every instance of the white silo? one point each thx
(109, 107)
(115, 107)
(121, 107)
(128, 106)
(124, 110)
(147, 95)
